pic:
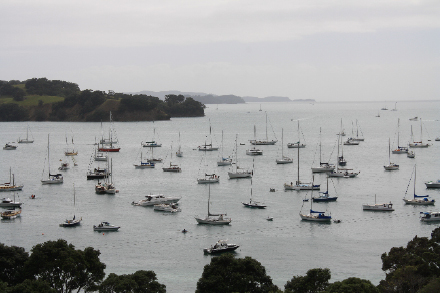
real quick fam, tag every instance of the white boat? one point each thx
(264, 141)
(430, 216)
(417, 199)
(26, 140)
(253, 203)
(9, 203)
(64, 166)
(400, 149)
(220, 247)
(222, 161)
(395, 107)
(342, 172)
(73, 222)
(10, 186)
(11, 214)
(411, 154)
(437, 138)
(323, 166)
(53, 178)
(418, 144)
(379, 207)
(179, 152)
(105, 226)
(112, 139)
(213, 219)
(414, 119)
(106, 187)
(9, 146)
(351, 141)
(209, 178)
(357, 138)
(173, 168)
(238, 172)
(315, 216)
(167, 207)
(100, 156)
(208, 147)
(254, 152)
(152, 143)
(284, 159)
(433, 184)
(144, 165)
(384, 108)
(297, 144)
(154, 199)
(390, 166)
(300, 185)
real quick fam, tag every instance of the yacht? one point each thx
(154, 199)
(221, 246)
(433, 184)
(430, 216)
(105, 226)
(9, 146)
(9, 203)
(167, 207)
(10, 214)
(10, 186)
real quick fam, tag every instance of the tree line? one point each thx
(88, 105)
(56, 266)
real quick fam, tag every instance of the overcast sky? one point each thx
(334, 50)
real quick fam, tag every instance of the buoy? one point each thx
(103, 234)
(42, 233)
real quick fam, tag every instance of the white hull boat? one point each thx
(430, 216)
(154, 199)
(418, 199)
(209, 178)
(220, 247)
(213, 219)
(105, 226)
(433, 184)
(168, 208)
(10, 186)
(238, 172)
(254, 152)
(284, 159)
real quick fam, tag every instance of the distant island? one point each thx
(40, 99)
(223, 99)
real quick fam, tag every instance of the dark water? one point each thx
(150, 240)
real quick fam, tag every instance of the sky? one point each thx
(339, 50)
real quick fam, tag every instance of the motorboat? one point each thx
(411, 155)
(414, 119)
(97, 173)
(52, 178)
(254, 152)
(379, 207)
(6, 202)
(430, 216)
(220, 246)
(105, 226)
(9, 146)
(351, 141)
(433, 184)
(10, 186)
(154, 199)
(172, 168)
(10, 214)
(213, 219)
(167, 207)
(295, 145)
(151, 144)
(64, 166)
(418, 199)
(209, 178)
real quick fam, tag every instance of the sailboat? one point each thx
(417, 199)
(173, 168)
(213, 219)
(106, 187)
(264, 141)
(418, 144)
(10, 186)
(323, 167)
(324, 196)
(152, 143)
(68, 151)
(252, 203)
(296, 144)
(208, 178)
(238, 172)
(254, 151)
(284, 159)
(53, 178)
(26, 140)
(357, 138)
(144, 165)
(395, 107)
(222, 160)
(379, 207)
(300, 185)
(73, 222)
(314, 215)
(341, 160)
(345, 172)
(110, 139)
(100, 156)
(207, 147)
(179, 152)
(390, 166)
(400, 149)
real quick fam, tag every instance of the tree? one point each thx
(316, 280)
(12, 260)
(410, 268)
(227, 274)
(65, 268)
(139, 282)
(352, 285)
(32, 286)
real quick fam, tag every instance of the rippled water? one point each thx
(150, 240)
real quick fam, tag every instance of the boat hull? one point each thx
(211, 221)
(386, 207)
(419, 201)
(233, 175)
(431, 184)
(303, 186)
(312, 218)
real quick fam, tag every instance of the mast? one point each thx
(298, 165)
(398, 132)
(389, 150)
(48, 155)
(415, 174)
(282, 143)
(320, 146)
(266, 127)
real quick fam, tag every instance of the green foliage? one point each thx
(13, 112)
(433, 286)
(316, 280)
(139, 282)
(43, 86)
(411, 268)
(12, 260)
(174, 99)
(352, 285)
(138, 103)
(227, 274)
(31, 286)
(64, 268)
